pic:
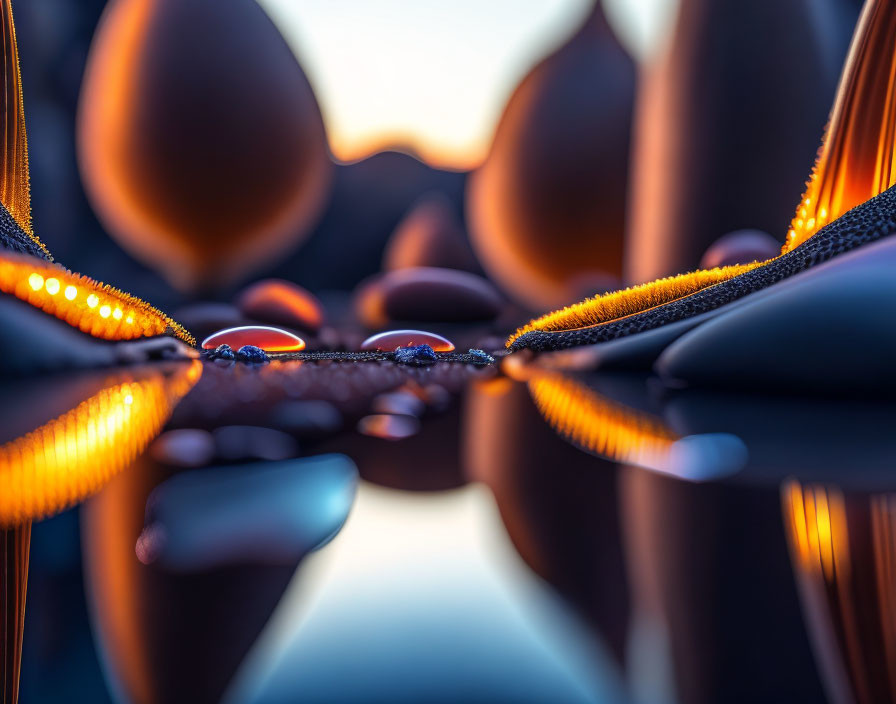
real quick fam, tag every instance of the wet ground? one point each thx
(333, 532)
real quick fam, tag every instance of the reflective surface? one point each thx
(543, 535)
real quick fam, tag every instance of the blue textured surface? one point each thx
(251, 353)
(420, 354)
(222, 352)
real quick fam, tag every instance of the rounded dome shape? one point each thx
(548, 205)
(200, 142)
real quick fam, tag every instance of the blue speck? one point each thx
(251, 353)
(419, 354)
(481, 357)
(222, 352)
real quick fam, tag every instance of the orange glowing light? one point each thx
(815, 519)
(72, 456)
(15, 192)
(832, 579)
(281, 302)
(349, 149)
(92, 307)
(636, 299)
(858, 154)
(856, 162)
(600, 425)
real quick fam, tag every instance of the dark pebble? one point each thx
(430, 235)
(741, 247)
(427, 294)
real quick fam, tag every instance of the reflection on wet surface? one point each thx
(844, 551)
(542, 536)
(73, 455)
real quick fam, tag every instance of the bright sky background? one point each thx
(434, 76)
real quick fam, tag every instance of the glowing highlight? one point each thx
(600, 425)
(15, 192)
(72, 456)
(629, 301)
(856, 162)
(37, 282)
(857, 159)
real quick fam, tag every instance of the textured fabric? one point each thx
(873, 220)
(15, 239)
(375, 356)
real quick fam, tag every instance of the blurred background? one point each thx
(505, 158)
(558, 147)
(398, 128)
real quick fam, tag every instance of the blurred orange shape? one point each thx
(200, 142)
(282, 302)
(857, 157)
(548, 205)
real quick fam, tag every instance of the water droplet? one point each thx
(267, 338)
(392, 339)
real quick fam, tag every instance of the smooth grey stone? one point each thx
(34, 342)
(262, 513)
(634, 352)
(827, 330)
(810, 439)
